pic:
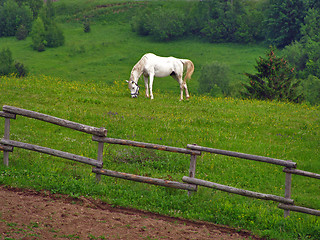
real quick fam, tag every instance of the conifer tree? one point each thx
(38, 35)
(275, 80)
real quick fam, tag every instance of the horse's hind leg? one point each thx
(179, 80)
(186, 89)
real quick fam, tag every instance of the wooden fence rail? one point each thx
(244, 156)
(52, 152)
(99, 135)
(57, 121)
(189, 183)
(149, 180)
(295, 208)
(238, 191)
(301, 173)
(286, 203)
(145, 145)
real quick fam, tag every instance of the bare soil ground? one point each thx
(27, 214)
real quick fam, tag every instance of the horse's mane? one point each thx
(139, 66)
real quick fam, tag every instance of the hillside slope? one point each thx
(280, 130)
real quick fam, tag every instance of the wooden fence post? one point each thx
(287, 193)
(100, 159)
(6, 136)
(192, 170)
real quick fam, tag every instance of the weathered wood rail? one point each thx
(98, 135)
(54, 120)
(52, 152)
(189, 183)
(149, 180)
(238, 191)
(145, 145)
(286, 203)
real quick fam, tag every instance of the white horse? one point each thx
(152, 66)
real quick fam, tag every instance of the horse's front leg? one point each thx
(151, 77)
(146, 85)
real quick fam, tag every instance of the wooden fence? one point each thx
(98, 135)
(189, 183)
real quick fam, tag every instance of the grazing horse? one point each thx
(152, 66)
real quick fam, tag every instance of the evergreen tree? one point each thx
(6, 62)
(275, 80)
(54, 36)
(22, 32)
(8, 66)
(38, 35)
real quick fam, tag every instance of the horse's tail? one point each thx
(189, 68)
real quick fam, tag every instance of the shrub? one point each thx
(54, 36)
(7, 65)
(38, 35)
(6, 62)
(296, 55)
(20, 69)
(22, 32)
(275, 80)
(311, 42)
(214, 79)
(86, 26)
(311, 87)
(140, 23)
(45, 32)
(162, 24)
(12, 16)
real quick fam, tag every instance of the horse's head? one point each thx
(134, 88)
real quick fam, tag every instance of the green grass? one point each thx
(279, 130)
(83, 81)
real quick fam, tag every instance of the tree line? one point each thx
(21, 18)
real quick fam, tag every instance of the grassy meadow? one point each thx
(83, 81)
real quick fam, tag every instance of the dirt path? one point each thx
(27, 214)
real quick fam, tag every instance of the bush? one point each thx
(311, 42)
(311, 88)
(54, 36)
(296, 55)
(162, 24)
(20, 69)
(86, 26)
(6, 62)
(214, 80)
(7, 65)
(22, 32)
(12, 16)
(38, 35)
(45, 32)
(140, 22)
